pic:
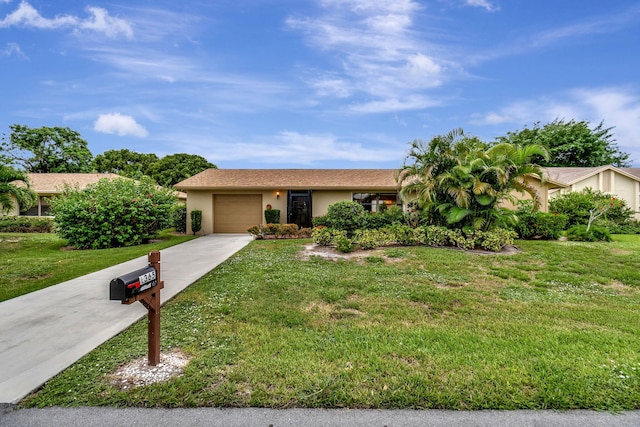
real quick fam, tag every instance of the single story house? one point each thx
(47, 185)
(232, 200)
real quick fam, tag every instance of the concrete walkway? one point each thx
(44, 332)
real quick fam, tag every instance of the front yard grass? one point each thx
(552, 327)
(33, 261)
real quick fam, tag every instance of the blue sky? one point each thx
(315, 83)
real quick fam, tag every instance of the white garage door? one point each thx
(235, 213)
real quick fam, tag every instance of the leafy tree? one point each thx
(112, 213)
(461, 183)
(174, 168)
(124, 162)
(46, 150)
(571, 144)
(14, 187)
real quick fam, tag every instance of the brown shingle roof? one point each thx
(291, 179)
(632, 171)
(52, 183)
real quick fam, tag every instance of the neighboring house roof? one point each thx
(291, 179)
(53, 183)
(569, 176)
(632, 171)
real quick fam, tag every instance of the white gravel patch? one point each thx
(138, 373)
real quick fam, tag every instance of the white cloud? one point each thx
(117, 124)
(394, 104)
(13, 49)
(485, 4)
(379, 54)
(99, 21)
(303, 149)
(618, 107)
(27, 16)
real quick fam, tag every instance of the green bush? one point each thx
(278, 230)
(371, 239)
(112, 213)
(496, 239)
(272, 216)
(577, 207)
(389, 216)
(538, 225)
(436, 235)
(631, 227)
(595, 234)
(196, 221)
(179, 218)
(25, 224)
(345, 216)
(402, 234)
(342, 242)
(322, 236)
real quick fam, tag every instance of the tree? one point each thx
(460, 182)
(571, 144)
(14, 187)
(174, 168)
(46, 150)
(419, 178)
(124, 162)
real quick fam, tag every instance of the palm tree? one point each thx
(419, 178)
(460, 181)
(14, 187)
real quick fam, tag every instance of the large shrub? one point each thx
(112, 213)
(579, 205)
(345, 216)
(538, 225)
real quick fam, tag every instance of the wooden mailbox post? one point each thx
(143, 285)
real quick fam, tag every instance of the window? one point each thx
(376, 202)
(42, 208)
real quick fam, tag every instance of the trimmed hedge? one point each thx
(26, 224)
(494, 240)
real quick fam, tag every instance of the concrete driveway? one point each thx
(44, 332)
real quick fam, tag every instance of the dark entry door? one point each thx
(299, 208)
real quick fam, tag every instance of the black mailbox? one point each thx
(131, 284)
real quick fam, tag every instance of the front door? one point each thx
(299, 208)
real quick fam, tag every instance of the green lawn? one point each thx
(555, 326)
(32, 261)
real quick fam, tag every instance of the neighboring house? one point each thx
(47, 185)
(232, 200)
(624, 183)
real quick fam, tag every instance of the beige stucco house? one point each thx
(47, 185)
(232, 200)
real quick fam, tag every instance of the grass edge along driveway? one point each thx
(552, 327)
(33, 261)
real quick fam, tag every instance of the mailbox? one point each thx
(131, 284)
